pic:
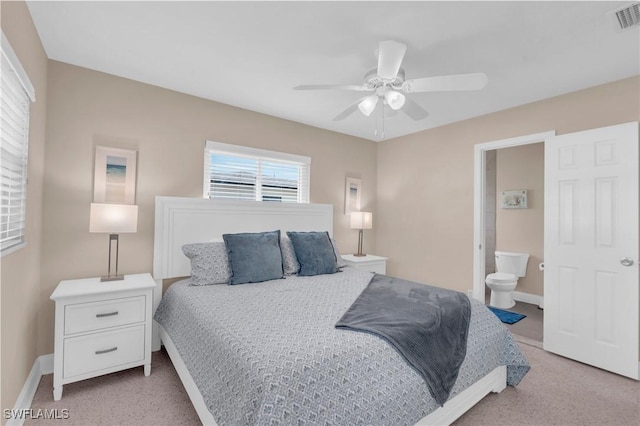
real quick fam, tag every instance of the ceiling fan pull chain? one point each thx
(375, 129)
(382, 112)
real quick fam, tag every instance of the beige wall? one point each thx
(168, 129)
(522, 230)
(20, 276)
(425, 180)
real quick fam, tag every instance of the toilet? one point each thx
(510, 266)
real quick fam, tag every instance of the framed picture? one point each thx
(516, 199)
(115, 176)
(352, 194)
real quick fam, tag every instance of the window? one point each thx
(17, 94)
(243, 173)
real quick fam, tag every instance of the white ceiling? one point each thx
(251, 54)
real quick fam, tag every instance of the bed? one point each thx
(268, 353)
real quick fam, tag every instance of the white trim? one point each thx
(13, 248)
(480, 161)
(532, 299)
(11, 56)
(42, 365)
(46, 364)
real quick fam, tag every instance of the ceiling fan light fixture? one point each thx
(394, 99)
(388, 83)
(368, 104)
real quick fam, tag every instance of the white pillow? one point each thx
(209, 263)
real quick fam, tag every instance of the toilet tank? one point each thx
(512, 263)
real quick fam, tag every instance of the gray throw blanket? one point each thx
(427, 325)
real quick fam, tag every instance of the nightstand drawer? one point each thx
(98, 351)
(377, 267)
(98, 315)
(369, 263)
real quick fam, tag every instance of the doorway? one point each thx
(480, 207)
(517, 173)
(590, 241)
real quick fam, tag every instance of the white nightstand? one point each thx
(369, 263)
(101, 327)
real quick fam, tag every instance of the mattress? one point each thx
(269, 353)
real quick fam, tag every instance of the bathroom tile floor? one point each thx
(529, 327)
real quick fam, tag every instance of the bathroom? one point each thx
(518, 229)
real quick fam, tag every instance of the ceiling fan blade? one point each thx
(333, 87)
(350, 110)
(413, 110)
(390, 55)
(443, 83)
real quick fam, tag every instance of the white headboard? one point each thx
(182, 221)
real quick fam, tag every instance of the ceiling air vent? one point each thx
(629, 15)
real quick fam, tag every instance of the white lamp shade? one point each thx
(368, 104)
(361, 220)
(394, 99)
(113, 218)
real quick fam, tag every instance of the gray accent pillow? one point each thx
(289, 261)
(314, 252)
(341, 262)
(209, 263)
(254, 257)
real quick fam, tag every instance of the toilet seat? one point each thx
(500, 278)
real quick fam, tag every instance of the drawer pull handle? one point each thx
(110, 314)
(106, 351)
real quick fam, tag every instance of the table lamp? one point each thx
(360, 221)
(113, 219)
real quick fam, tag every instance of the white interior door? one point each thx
(591, 247)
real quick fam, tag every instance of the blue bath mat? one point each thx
(507, 317)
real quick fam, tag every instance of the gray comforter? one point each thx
(268, 354)
(427, 325)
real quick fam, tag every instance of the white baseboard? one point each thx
(46, 364)
(533, 299)
(42, 365)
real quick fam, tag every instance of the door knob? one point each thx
(626, 261)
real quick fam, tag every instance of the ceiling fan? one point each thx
(387, 82)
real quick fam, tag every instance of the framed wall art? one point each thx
(352, 195)
(115, 176)
(515, 199)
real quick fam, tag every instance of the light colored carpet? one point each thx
(122, 398)
(556, 391)
(559, 391)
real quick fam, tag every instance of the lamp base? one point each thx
(112, 278)
(115, 276)
(359, 253)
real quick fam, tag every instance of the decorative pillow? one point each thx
(340, 261)
(314, 252)
(209, 263)
(289, 261)
(254, 257)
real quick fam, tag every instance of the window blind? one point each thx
(242, 173)
(15, 103)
